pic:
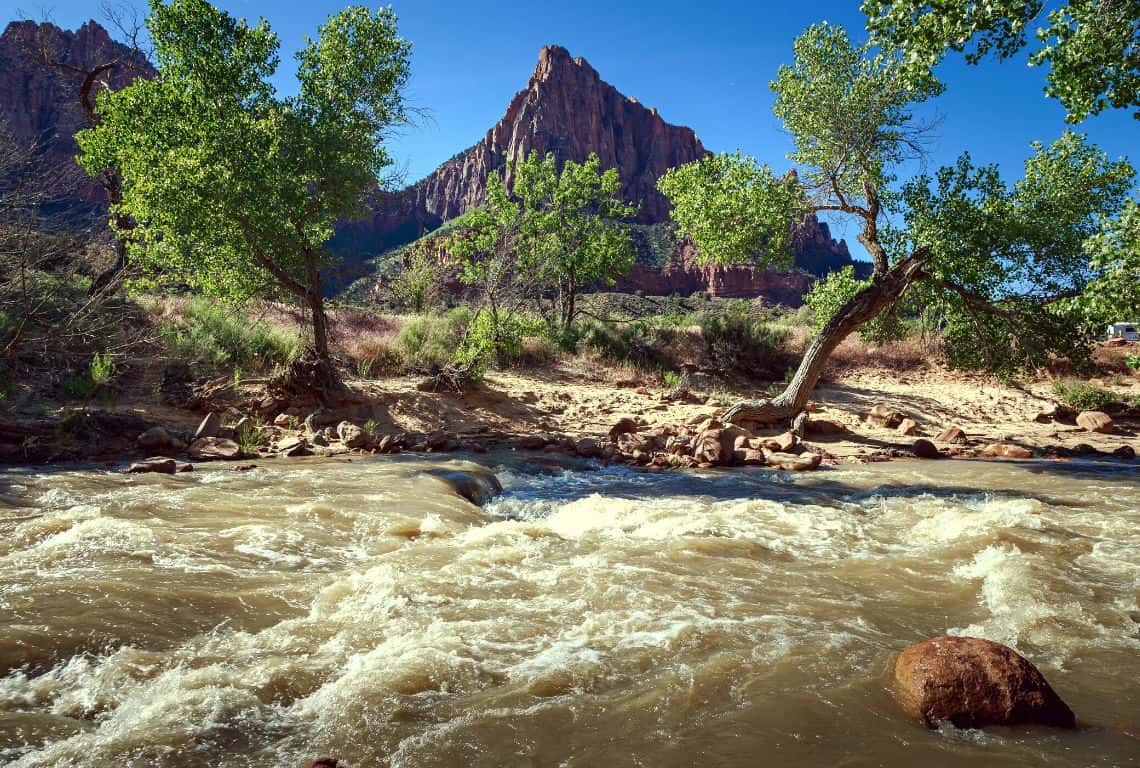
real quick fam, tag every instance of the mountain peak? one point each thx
(554, 59)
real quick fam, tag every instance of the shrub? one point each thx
(249, 438)
(641, 343)
(1085, 396)
(427, 344)
(1132, 361)
(85, 384)
(489, 343)
(214, 335)
(374, 357)
(736, 341)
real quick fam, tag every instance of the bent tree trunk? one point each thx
(884, 290)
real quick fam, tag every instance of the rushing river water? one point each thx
(590, 618)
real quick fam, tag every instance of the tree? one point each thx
(568, 225)
(235, 189)
(1113, 294)
(90, 78)
(486, 245)
(1092, 47)
(998, 259)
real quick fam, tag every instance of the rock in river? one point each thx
(211, 448)
(974, 683)
(1095, 421)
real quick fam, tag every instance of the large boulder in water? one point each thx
(974, 683)
(477, 486)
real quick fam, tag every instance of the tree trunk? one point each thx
(884, 290)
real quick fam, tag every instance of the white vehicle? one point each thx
(1126, 331)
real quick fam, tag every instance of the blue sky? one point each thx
(706, 66)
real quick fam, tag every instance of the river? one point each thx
(604, 618)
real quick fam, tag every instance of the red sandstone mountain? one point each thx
(566, 108)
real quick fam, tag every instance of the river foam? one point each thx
(582, 618)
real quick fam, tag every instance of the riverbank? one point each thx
(581, 406)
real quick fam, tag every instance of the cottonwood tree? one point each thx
(1092, 47)
(569, 226)
(997, 257)
(235, 189)
(486, 244)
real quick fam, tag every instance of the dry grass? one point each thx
(910, 354)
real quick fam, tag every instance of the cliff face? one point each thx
(566, 108)
(39, 104)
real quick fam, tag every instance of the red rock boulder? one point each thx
(974, 683)
(1095, 421)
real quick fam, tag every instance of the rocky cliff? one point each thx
(39, 104)
(566, 108)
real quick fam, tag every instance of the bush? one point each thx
(736, 341)
(489, 343)
(641, 343)
(214, 335)
(428, 343)
(85, 384)
(1085, 396)
(374, 357)
(1132, 361)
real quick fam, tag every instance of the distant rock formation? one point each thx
(566, 108)
(39, 104)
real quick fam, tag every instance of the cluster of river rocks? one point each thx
(703, 443)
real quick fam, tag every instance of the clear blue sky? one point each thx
(704, 65)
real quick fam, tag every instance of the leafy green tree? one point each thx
(235, 189)
(416, 284)
(829, 295)
(998, 259)
(1092, 47)
(486, 245)
(1113, 295)
(568, 225)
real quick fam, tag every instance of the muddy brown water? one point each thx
(582, 618)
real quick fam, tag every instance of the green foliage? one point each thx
(826, 297)
(86, 384)
(250, 437)
(671, 378)
(734, 209)
(1132, 361)
(500, 343)
(736, 341)
(415, 285)
(1092, 47)
(101, 368)
(1085, 396)
(567, 226)
(1113, 293)
(235, 189)
(428, 344)
(223, 337)
(642, 343)
(848, 111)
(1004, 257)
